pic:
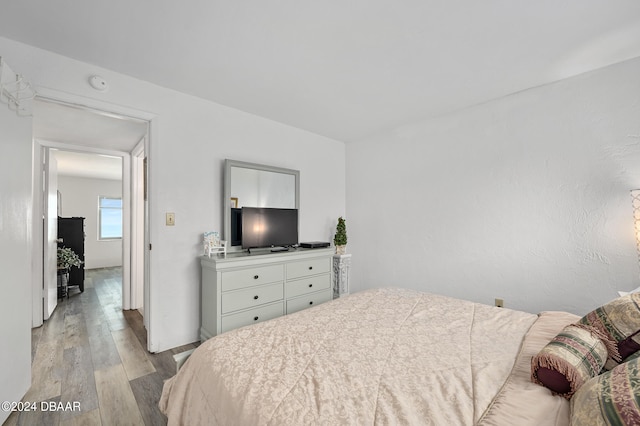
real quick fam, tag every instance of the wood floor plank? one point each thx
(46, 372)
(40, 417)
(116, 323)
(78, 384)
(147, 390)
(135, 321)
(36, 333)
(12, 420)
(89, 298)
(75, 330)
(73, 304)
(103, 349)
(96, 323)
(112, 306)
(90, 418)
(134, 358)
(164, 364)
(89, 295)
(184, 348)
(93, 313)
(118, 405)
(54, 329)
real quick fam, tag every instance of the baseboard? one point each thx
(181, 358)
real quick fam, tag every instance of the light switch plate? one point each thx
(171, 219)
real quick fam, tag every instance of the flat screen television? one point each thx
(268, 227)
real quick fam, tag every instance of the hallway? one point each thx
(92, 355)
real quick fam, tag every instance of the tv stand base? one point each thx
(279, 249)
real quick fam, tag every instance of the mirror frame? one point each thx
(228, 164)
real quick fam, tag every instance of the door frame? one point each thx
(138, 219)
(39, 210)
(49, 234)
(100, 107)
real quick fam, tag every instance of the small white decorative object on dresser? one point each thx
(213, 244)
(341, 267)
(242, 289)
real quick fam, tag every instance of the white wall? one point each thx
(80, 199)
(189, 143)
(15, 256)
(524, 198)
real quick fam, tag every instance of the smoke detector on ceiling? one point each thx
(98, 83)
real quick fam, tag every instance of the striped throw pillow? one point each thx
(574, 356)
(612, 398)
(619, 321)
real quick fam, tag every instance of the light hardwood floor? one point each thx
(92, 353)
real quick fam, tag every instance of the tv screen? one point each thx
(267, 227)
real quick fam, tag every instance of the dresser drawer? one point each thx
(250, 297)
(307, 301)
(308, 285)
(305, 268)
(253, 316)
(234, 280)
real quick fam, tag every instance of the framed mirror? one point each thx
(255, 185)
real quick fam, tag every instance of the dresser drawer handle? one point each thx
(310, 267)
(255, 277)
(255, 297)
(255, 318)
(311, 303)
(310, 285)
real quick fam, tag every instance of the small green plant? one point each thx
(340, 239)
(67, 258)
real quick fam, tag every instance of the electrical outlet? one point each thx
(500, 303)
(171, 219)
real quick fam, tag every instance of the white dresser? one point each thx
(242, 289)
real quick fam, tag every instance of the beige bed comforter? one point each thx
(385, 356)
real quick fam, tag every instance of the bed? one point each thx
(381, 356)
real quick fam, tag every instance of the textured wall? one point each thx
(524, 198)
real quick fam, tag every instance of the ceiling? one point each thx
(96, 166)
(84, 127)
(86, 130)
(343, 69)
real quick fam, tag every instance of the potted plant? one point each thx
(340, 239)
(67, 258)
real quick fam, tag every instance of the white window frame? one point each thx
(100, 198)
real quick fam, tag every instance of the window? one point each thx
(109, 218)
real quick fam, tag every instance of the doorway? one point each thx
(80, 130)
(90, 211)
